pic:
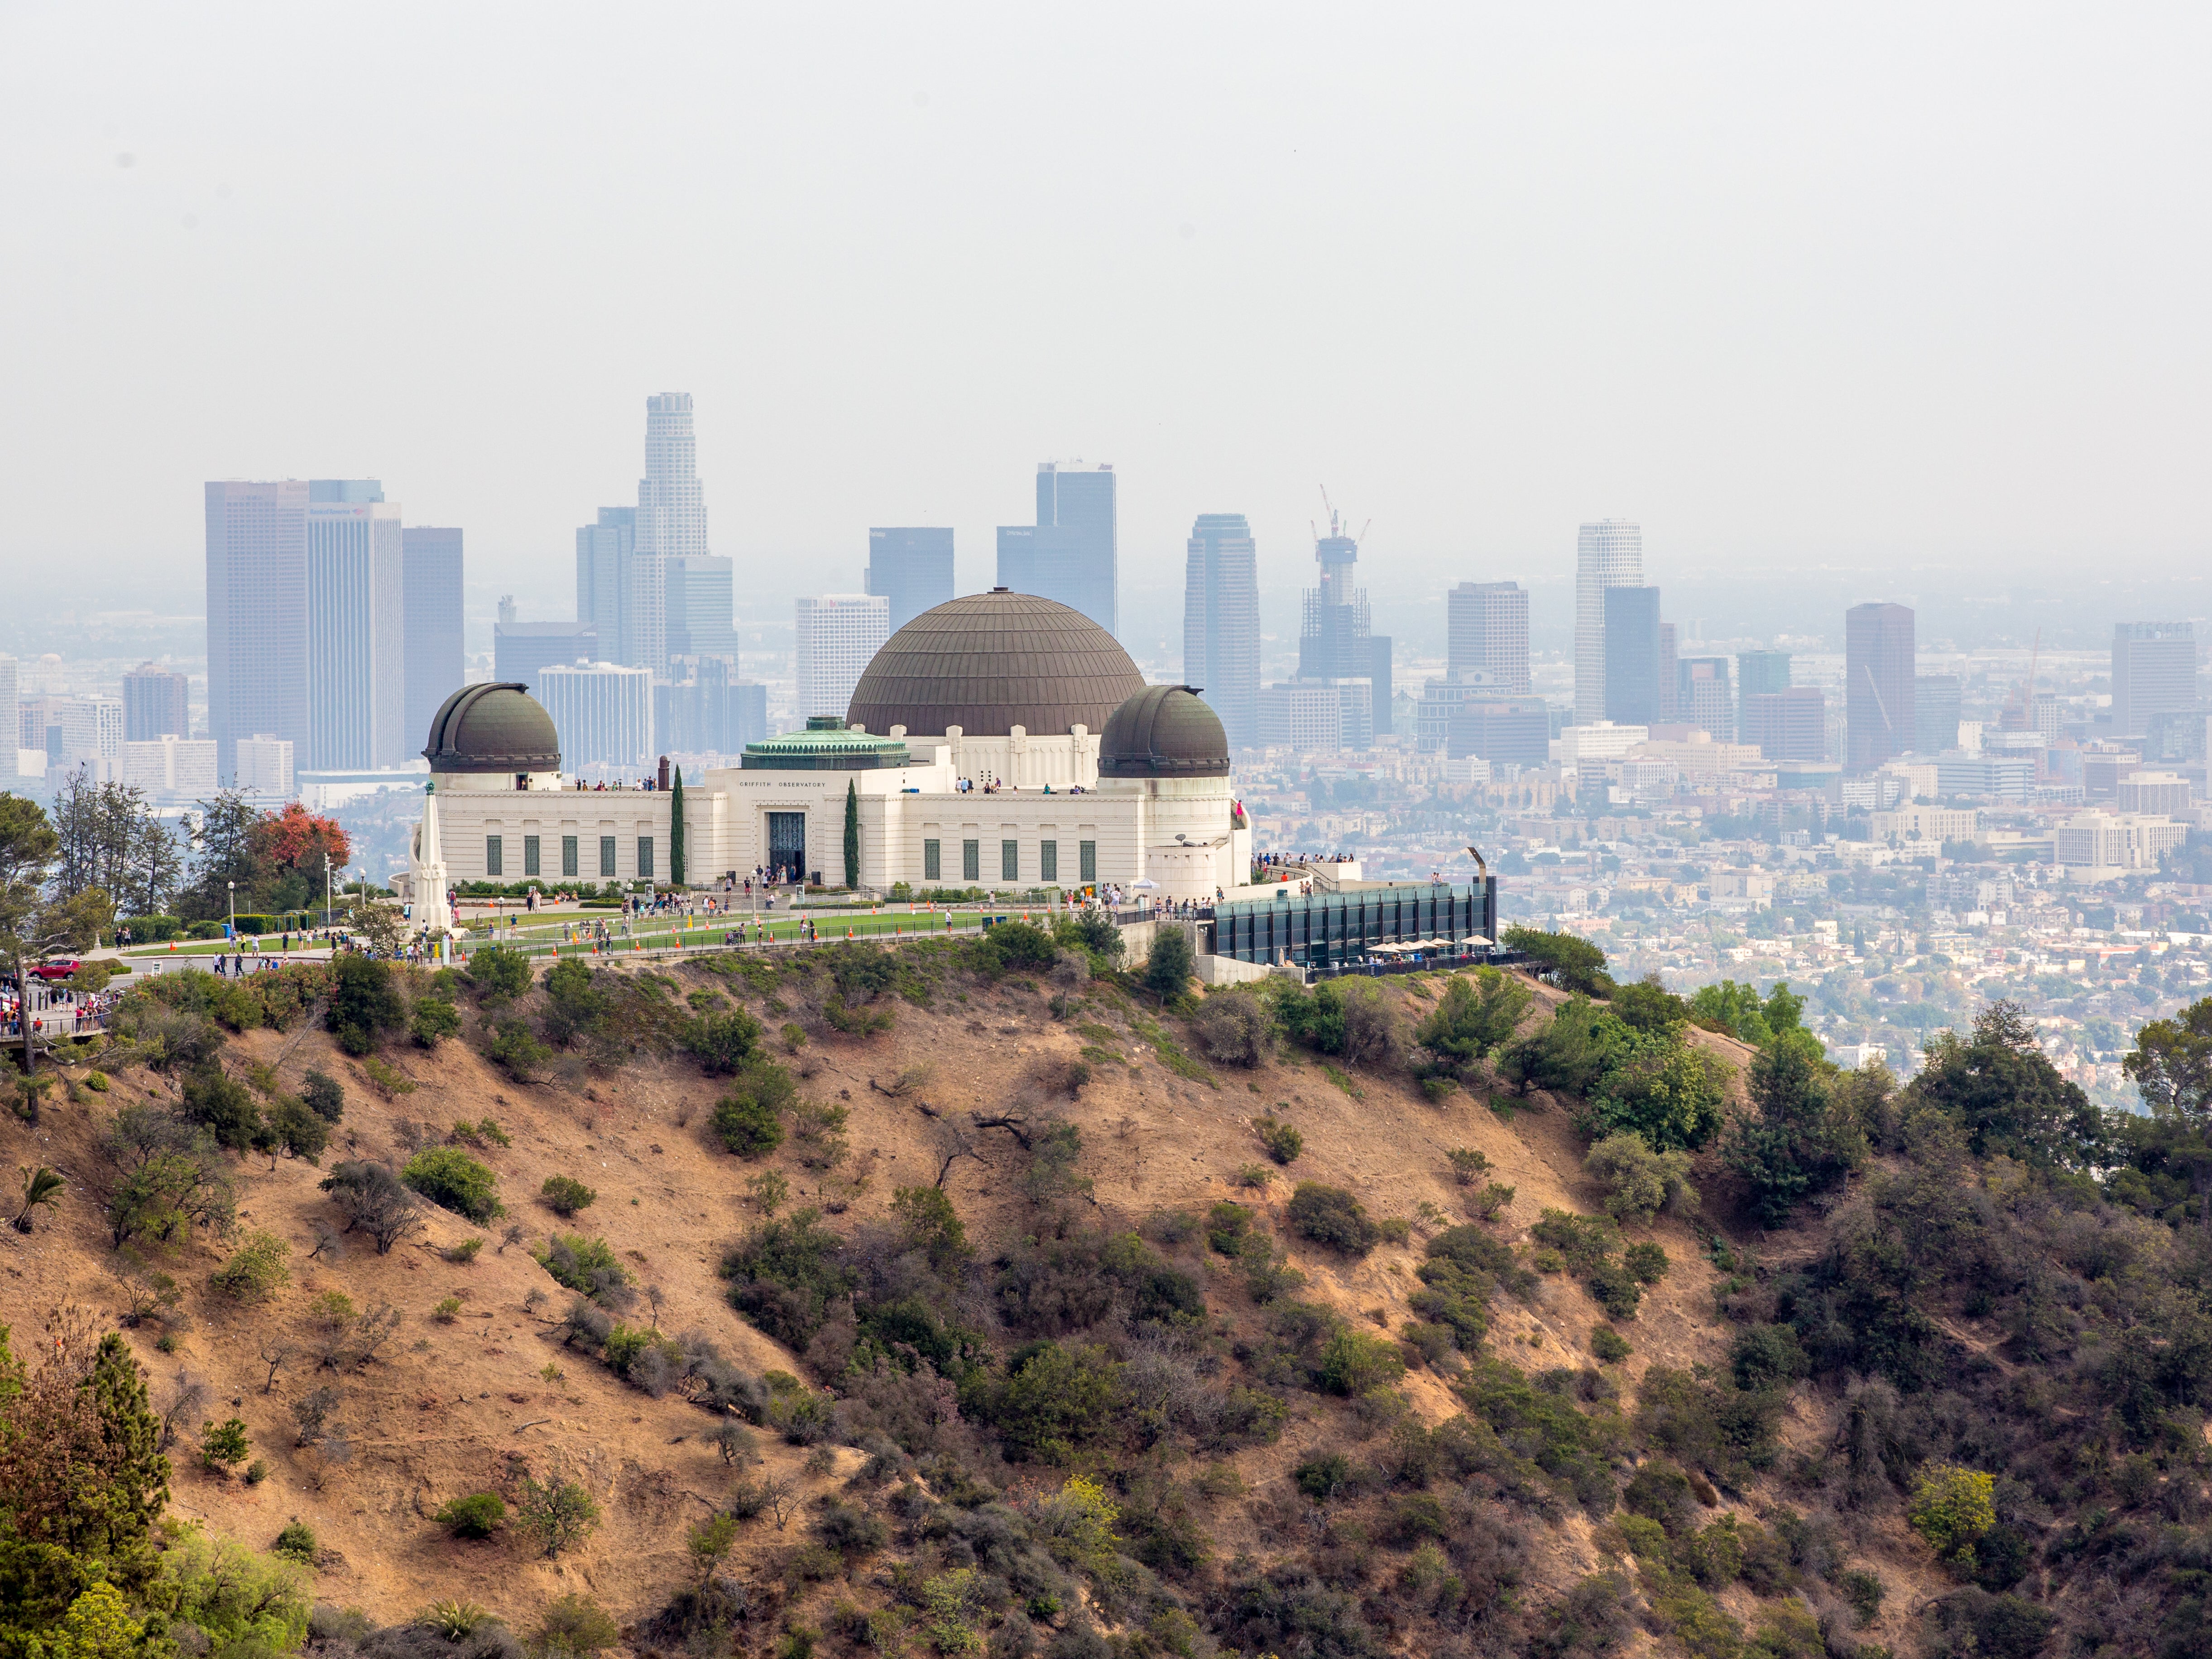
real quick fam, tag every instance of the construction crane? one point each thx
(1335, 525)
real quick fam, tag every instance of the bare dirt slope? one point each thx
(453, 1405)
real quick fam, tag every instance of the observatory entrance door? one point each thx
(787, 846)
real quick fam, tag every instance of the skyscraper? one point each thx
(1936, 700)
(1607, 554)
(1788, 725)
(1702, 697)
(156, 704)
(1069, 554)
(1632, 656)
(837, 634)
(1758, 673)
(437, 661)
(701, 590)
(1669, 674)
(1221, 621)
(257, 613)
(911, 568)
(1486, 627)
(356, 631)
(1336, 645)
(603, 712)
(1878, 687)
(606, 558)
(521, 651)
(2153, 672)
(671, 523)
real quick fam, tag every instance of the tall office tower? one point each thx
(1757, 674)
(702, 606)
(1788, 725)
(1607, 554)
(356, 633)
(671, 523)
(1878, 677)
(912, 567)
(1336, 646)
(1221, 621)
(1632, 656)
(2153, 672)
(257, 612)
(606, 556)
(1702, 698)
(1935, 712)
(603, 712)
(437, 662)
(521, 651)
(837, 634)
(712, 712)
(1670, 673)
(1486, 632)
(156, 704)
(1068, 555)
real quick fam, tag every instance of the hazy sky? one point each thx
(1878, 285)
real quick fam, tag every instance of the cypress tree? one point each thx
(852, 835)
(676, 829)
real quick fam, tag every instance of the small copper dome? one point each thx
(1164, 731)
(497, 727)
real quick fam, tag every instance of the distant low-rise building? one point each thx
(1935, 824)
(265, 767)
(2162, 794)
(2110, 841)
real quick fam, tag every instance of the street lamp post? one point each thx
(233, 886)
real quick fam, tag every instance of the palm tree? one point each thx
(40, 1186)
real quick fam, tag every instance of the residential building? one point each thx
(1702, 697)
(1758, 673)
(702, 605)
(1755, 887)
(356, 632)
(606, 576)
(1788, 725)
(1486, 627)
(671, 524)
(257, 613)
(521, 651)
(72, 730)
(1933, 825)
(1069, 554)
(171, 765)
(156, 703)
(2107, 841)
(1878, 685)
(1935, 699)
(604, 714)
(1221, 621)
(837, 635)
(437, 658)
(1992, 777)
(910, 568)
(1608, 553)
(2153, 672)
(1632, 656)
(1308, 718)
(264, 766)
(2157, 794)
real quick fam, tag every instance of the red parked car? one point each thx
(56, 969)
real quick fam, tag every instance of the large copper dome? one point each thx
(989, 662)
(497, 727)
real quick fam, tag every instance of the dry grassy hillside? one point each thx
(470, 1399)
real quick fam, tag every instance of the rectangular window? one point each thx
(933, 861)
(606, 855)
(569, 855)
(495, 857)
(1047, 861)
(972, 861)
(645, 858)
(1009, 860)
(530, 855)
(1086, 861)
